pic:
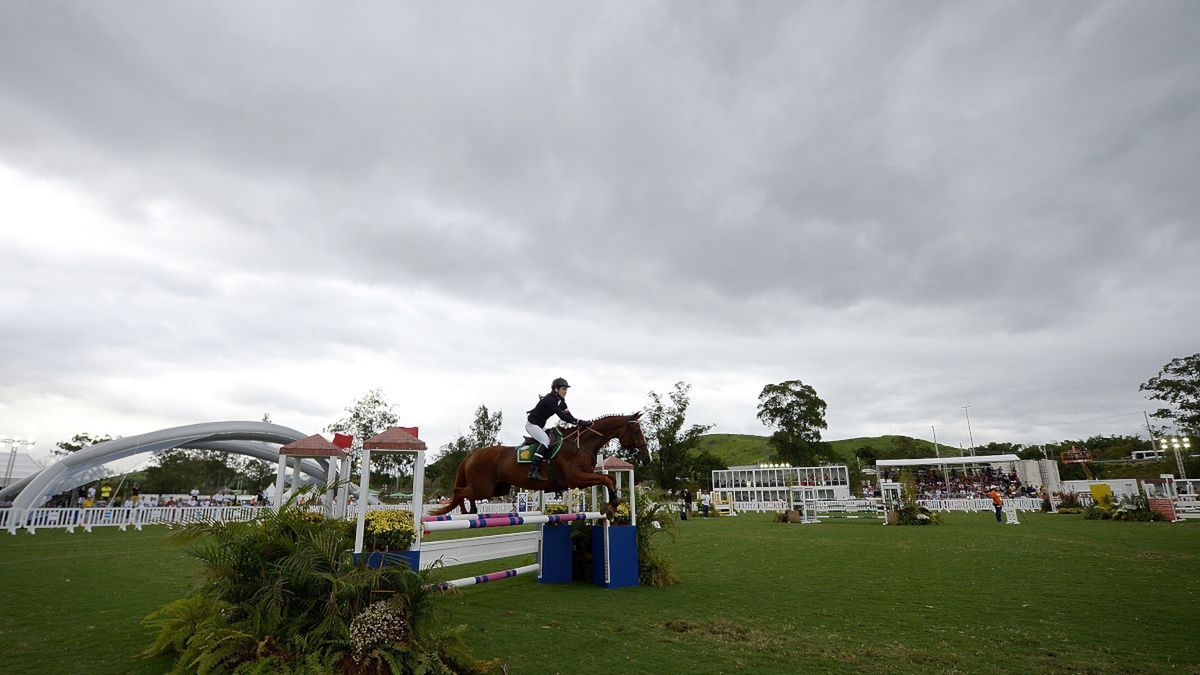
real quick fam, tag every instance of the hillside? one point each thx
(740, 449)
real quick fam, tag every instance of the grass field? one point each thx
(1055, 594)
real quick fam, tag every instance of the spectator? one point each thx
(997, 502)
(705, 501)
(687, 503)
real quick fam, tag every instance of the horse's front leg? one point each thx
(614, 497)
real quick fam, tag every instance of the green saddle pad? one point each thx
(525, 452)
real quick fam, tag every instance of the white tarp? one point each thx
(949, 461)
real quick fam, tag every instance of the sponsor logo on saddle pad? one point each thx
(525, 450)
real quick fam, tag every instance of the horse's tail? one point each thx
(460, 484)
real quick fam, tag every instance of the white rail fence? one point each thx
(125, 517)
(869, 504)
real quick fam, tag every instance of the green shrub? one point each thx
(909, 512)
(654, 518)
(280, 594)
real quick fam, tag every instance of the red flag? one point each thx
(342, 440)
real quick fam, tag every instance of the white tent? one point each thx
(23, 465)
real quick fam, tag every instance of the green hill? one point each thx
(741, 449)
(736, 449)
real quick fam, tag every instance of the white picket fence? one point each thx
(971, 505)
(69, 519)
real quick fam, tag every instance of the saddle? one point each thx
(527, 447)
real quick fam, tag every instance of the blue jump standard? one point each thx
(557, 561)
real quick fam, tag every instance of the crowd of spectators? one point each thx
(105, 495)
(932, 483)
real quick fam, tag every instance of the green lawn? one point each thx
(1055, 594)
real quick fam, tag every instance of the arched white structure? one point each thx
(255, 439)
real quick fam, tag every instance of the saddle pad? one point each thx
(525, 450)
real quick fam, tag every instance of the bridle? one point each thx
(578, 434)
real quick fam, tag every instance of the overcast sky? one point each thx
(212, 211)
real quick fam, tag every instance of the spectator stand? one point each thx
(964, 483)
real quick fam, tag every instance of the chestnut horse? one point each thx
(493, 471)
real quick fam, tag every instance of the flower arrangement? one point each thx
(622, 516)
(555, 509)
(389, 530)
(379, 625)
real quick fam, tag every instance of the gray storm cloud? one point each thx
(917, 207)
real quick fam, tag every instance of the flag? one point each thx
(342, 440)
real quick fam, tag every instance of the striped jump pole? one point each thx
(476, 516)
(507, 521)
(484, 578)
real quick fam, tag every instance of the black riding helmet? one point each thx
(559, 382)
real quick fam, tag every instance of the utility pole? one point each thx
(945, 472)
(1150, 432)
(969, 434)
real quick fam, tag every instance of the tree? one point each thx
(1177, 385)
(670, 444)
(797, 415)
(703, 465)
(484, 432)
(79, 442)
(180, 470)
(371, 415)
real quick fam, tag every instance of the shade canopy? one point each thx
(949, 461)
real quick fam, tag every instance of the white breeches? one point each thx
(537, 433)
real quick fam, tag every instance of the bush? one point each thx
(1068, 500)
(280, 595)
(654, 518)
(909, 512)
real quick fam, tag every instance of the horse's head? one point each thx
(632, 438)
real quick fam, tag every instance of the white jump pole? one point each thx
(344, 489)
(330, 473)
(295, 475)
(418, 496)
(280, 481)
(364, 481)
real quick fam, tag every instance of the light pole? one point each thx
(945, 472)
(969, 434)
(16, 443)
(1180, 444)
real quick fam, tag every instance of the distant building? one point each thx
(764, 487)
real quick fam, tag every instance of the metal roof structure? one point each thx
(949, 461)
(256, 439)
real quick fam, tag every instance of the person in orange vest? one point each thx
(997, 501)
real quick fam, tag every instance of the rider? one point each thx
(554, 403)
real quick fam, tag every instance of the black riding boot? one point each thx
(538, 458)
